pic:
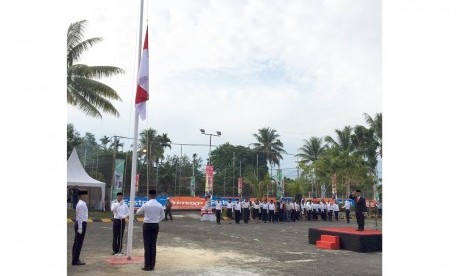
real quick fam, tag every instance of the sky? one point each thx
(303, 68)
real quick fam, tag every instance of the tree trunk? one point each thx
(333, 184)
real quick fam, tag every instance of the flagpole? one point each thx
(134, 149)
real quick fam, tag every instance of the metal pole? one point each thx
(180, 175)
(234, 174)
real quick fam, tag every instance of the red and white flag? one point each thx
(142, 94)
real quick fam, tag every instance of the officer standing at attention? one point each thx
(153, 214)
(347, 207)
(80, 227)
(360, 209)
(218, 211)
(246, 209)
(336, 211)
(229, 207)
(237, 211)
(120, 212)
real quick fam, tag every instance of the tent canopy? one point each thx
(77, 176)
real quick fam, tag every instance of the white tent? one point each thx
(77, 176)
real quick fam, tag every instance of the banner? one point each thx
(119, 177)
(279, 190)
(209, 179)
(137, 183)
(239, 186)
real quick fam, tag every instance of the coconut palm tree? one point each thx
(268, 143)
(83, 88)
(376, 125)
(344, 140)
(311, 150)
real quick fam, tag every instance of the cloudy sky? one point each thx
(304, 68)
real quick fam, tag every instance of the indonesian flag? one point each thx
(142, 94)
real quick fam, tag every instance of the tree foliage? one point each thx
(84, 90)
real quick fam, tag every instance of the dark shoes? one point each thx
(148, 269)
(78, 263)
(359, 230)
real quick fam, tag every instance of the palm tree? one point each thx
(83, 90)
(269, 144)
(104, 141)
(344, 140)
(311, 150)
(154, 145)
(376, 125)
(345, 145)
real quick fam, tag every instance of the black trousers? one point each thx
(256, 214)
(118, 233)
(237, 216)
(168, 213)
(360, 220)
(78, 241)
(293, 215)
(336, 215)
(218, 216)
(246, 215)
(348, 216)
(271, 216)
(330, 215)
(264, 215)
(150, 234)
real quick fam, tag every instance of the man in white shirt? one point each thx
(330, 210)
(120, 212)
(218, 211)
(229, 207)
(347, 207)
(246, 209)
(256, 211)
(271, 209)
(80, 227)
(264, 211)
(237, 211)
(153, 214)
(336, 211)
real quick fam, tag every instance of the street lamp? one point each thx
(218, 133)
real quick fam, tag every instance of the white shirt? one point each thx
(246, 204)
(218, 205)
(347, 205)
(265, 206)
(271, 206)
(119, 209)
(331, 207)
(292, 205)
(297, 207)
(152, 210)
(308, 206)
(336, 207)
(237, 206)
(82, 213)
(255, 205)
(229, 205)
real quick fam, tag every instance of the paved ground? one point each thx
(188, 246)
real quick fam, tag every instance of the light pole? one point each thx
(218, 133)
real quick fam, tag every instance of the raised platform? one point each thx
(369, 240)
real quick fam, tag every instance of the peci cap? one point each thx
(119, 194)
(358, 191)
(152, 192)
(82, 193)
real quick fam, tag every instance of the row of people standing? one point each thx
(279, 211)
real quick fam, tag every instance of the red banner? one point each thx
(239, 185)
(187, 203)
(209, 179)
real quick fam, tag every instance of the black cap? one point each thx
(82, 193)
(152, 192)
(119, 194)
(358, 191)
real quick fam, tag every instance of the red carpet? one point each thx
(120, 260)
(351, 230)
